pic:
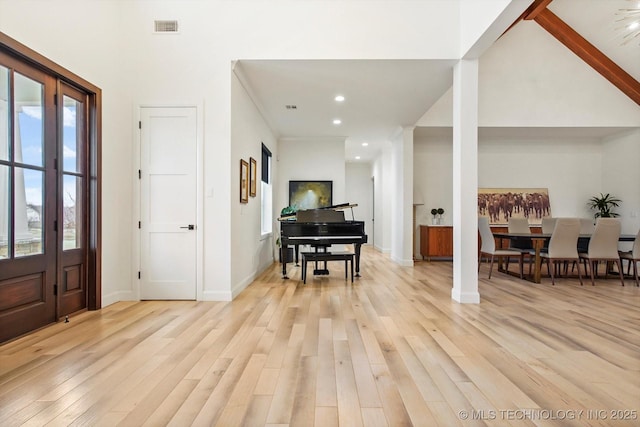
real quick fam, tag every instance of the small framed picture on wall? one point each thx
(253, 173)
(244, 181)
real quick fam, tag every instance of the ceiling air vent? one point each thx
(166, 26)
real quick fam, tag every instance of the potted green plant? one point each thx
(287, 211)
(603, 204)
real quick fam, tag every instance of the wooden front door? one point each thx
(43, 198)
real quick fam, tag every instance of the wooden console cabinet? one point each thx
(436, 241)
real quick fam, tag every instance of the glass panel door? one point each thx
(27, 198)
(72, 242)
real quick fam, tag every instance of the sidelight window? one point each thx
(266, 196)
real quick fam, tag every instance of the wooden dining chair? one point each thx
(633, 257)
(603, 246)
(488, 246)
(563, 245)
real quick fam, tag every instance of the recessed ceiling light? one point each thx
(337, 121)
(339, 98)
(365, 144)
(357, 157)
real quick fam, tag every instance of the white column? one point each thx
(402, 200)
(465, 182)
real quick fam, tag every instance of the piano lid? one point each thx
(326, 214)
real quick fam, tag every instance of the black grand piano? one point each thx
(320, 228)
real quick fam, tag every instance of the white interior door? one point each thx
(168, 145)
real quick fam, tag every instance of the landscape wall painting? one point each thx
(500, 204)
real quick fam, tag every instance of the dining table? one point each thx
(538, 241)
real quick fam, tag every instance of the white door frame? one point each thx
(137, 197)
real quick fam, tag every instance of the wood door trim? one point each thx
(94, 173)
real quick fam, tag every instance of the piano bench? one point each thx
(327, 256)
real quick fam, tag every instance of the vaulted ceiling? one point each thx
(297, 97)
(540, 12)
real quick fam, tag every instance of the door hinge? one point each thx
(139, 174)
(55, 99)
(139, 275)
(55, 289)
(55, 163)
(55, 225)
(140, 124)
(139, 224)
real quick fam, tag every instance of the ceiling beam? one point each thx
(531, 12)
(589, 53)
(536, 7)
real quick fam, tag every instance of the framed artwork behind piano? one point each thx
(310, 194)
(244, 181)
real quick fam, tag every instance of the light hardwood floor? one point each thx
(390, 350)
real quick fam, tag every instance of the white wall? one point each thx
(433, 169)
(573, 170)
(314, 159)
(381, 238)
(359, 190)
(253, 251)
(570, 169)
(621, 177)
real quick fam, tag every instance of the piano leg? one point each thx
(284, 250)
(297, 252)
(357, 247)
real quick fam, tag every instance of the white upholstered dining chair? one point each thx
(547, 225)
(603, 246)
(633, 257)
(488, 246)
(563, 245)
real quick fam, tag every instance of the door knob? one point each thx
(190, 227)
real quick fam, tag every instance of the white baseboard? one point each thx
(114, 297)
(216, 296)
(465, 297)
(382, 250)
